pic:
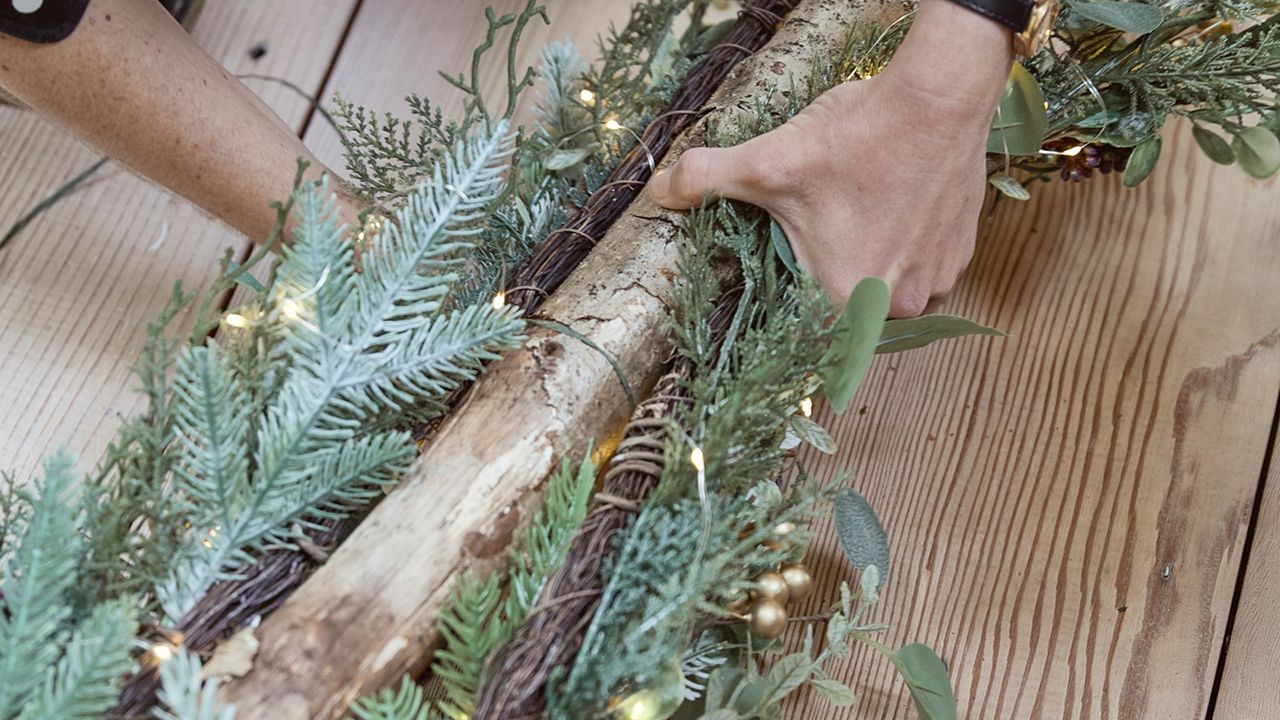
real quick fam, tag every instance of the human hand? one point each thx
(882, 177)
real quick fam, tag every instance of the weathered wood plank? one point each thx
(396, 48)
(78, 286)
(1248, 687)
(1067, 505)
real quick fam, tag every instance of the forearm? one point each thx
(131, 82)
(956, 57)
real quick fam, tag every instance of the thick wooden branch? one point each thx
(369, 614)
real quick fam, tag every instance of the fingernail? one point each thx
(660, 185)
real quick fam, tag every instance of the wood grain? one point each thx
(79, 285)
(1067, 505)
(396, 48)
(1248, 687)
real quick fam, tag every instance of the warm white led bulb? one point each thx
(586, 96)
(162, 652)
(695, 459)
(499, 301)
(806, 406)
(612, 124)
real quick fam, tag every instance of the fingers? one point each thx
(701, 172)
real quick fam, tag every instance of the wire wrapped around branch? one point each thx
(552, 632)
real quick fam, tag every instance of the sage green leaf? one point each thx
(861, 534)
(1009, 187)
(245, 279)
(836, 692)
(1131, 17)
(664, 58)
(721, 685)
(853, 341)
(927, 680)
(788, 674)
(565, 159)
(782, 246)
(813, 433)
(1142, 161)
(1258, 151)
(912, 333)
(1214, 146)
(1020, 121)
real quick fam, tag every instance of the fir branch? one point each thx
(36, 582)
(130, 488)
(184, 695)
(478, 620)
(408, 702)
(85, 681)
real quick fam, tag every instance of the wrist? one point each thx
(954, 62)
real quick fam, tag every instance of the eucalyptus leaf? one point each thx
(912, 333)
(1020, 120)
(813, 433)
(788, 674)
(1258, 151)
(1214, 146)
(1009, 187)
(861, 535)
(836, 692)
(927, 680)
(853, 341)
(782, 246)
(1131, 17)
(245, 279)
(565, 159)
(1142, 161)
(664, 58)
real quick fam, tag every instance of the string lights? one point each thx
(806, 406)
(499, 301)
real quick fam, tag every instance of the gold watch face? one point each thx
(1028, 42)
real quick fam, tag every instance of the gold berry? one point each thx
(799, 581)
(771, 585)
(767, 619)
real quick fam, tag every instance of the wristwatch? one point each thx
(1030, 20)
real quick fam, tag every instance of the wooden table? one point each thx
(1080, 513)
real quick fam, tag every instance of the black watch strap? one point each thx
(41, 21)
(1013, 14)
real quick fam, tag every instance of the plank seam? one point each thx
(1245, 554)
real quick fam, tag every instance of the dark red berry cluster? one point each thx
(1093, 156)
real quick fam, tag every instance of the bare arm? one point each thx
(131, 82)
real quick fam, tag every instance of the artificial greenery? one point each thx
(56, 662)
(296, 413)
(1115, 72)
(484, 613)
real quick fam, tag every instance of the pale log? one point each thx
(369, 614)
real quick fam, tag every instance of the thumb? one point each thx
(719, 172)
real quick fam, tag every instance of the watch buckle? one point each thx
(1028, 42)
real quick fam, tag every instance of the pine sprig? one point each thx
(83, 685)
(36, 581)
(185, 695)
(362, 350)
(479, 619)
(408, 702)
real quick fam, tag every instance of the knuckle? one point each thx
(688, 177)
(909, 303)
